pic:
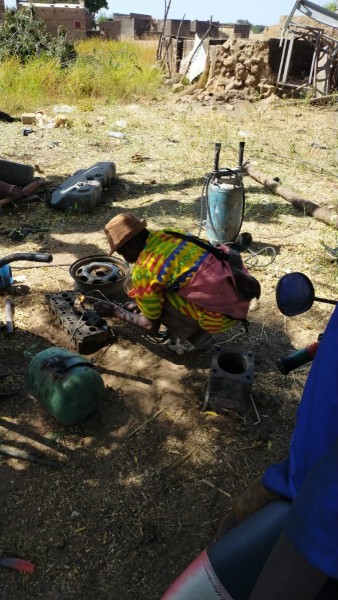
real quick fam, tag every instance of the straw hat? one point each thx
(123, 228)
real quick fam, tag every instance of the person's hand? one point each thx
(104, 308)
(131, 306)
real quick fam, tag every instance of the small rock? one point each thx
(178, 87)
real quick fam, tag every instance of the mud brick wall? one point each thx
(133, 27)
(111, 29)
(73, 19)
(172, 26)
(239, 69)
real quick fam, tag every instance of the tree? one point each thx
(243, 22)
(257, 28)
(331, 6)
(94, 6)
(23, 37)
(102, 18)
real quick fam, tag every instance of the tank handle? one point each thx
(60, 364)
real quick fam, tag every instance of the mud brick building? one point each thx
(71, 17)
(133, 26)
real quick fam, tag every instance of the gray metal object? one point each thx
(87, 330)
(9, 316)
(108, 274)
(98, 273)
(230, 381)
(322, 76)
(16, 173)
(82, 191)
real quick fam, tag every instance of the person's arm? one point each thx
(11, 191)
(111, 309)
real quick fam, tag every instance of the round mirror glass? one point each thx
(294, 294)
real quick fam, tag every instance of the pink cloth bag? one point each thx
(213, 287)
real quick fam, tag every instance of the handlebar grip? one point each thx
(297, 359)
(30, 256)
(40, 257)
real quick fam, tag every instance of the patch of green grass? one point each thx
(103, 72)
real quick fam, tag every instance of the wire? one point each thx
(252, 261)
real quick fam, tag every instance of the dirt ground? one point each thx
(144, 482)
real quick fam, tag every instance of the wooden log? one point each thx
(305, 206)
(325, 99)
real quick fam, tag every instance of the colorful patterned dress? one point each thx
(165, 262)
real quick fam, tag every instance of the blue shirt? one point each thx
(315, 433)
(317, 418)
(312, 523)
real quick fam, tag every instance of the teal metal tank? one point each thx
(65, 383)
(225, 207)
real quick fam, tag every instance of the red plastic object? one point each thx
(18, 564)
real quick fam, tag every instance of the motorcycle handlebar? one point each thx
(297, 359)
(30, 256)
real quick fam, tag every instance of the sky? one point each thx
(258, 12)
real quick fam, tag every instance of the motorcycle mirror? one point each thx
(295, 294)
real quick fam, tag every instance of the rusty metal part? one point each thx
(99, 273)
(109, 273)
(27, 192)
(230, 381)
(22, 455)
(86, 329)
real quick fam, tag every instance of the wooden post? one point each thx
(305, 206)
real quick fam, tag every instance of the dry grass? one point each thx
(128, 512)
(104, 72)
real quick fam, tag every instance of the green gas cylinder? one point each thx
(65, 383)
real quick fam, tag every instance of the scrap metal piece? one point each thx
(22, 455)
(86, 329)
(9, 316)
(230, 381)
(98, 273)
(82, 191)
(107, 273)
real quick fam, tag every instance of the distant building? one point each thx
(235, 30)
(133, 26)
(73, 18)
(201, 28)
(110, 29)
(174, 27)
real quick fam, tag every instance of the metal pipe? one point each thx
(241, 153)
(9, 316)
(216, 156)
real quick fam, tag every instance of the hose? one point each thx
(30, 256)
(252, 260)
